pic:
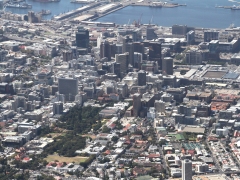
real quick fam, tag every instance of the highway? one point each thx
(21, 39)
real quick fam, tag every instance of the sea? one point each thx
(196, 13)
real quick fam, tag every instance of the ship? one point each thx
(45, 12)
(46, 0)
(235, 7)
(21, 6)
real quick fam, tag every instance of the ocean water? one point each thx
(197, 13)
(55, 7)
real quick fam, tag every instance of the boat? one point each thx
(46, 0)
(156, 5)
(45, 12)
(235, 7)
(21, 6)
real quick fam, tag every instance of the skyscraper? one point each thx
(137, 59)
(150, 34)
(167, 66)
(1, 4)
(105, 50)
(122, 59)
(186, 169)
(141, 78)
(136, 104)
(130, 50)
(68, 87)
(138, 47)
(155, 52)
(58, 108)
(179, 29)
(211, 35)
(82, 37)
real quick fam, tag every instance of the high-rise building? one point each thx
(122, 59)
(68, 87)
(190, 37)
(116, 69)
(105, 50)
(211, 35)
(67, 55)
(150, 34)
(186, 169)
(159, 106)
(167, 66)
(136, 104)
(138, 47)
(179, 29)
(1, 5)
(58, 108)
(137, 59)
(130, 50)
(141, 78)
(155, 52)
(194, 57)
(119, 49)
(34, 18)
(82, 37)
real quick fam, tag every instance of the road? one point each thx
(164, 163)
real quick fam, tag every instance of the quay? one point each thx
(229, 7)
(93, 11)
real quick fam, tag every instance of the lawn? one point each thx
(56, 134)
(76, 159)
(89, 135)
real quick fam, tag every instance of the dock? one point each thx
(93, 11)
(229, 7)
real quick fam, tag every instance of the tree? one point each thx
(105, 129)
(114, 139)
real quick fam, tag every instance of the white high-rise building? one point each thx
(186, 169)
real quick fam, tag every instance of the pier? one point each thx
(93, 11)
(229, 7)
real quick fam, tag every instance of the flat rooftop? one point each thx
(194, 129)
(214, 74)
(83, 17)
(231, 75)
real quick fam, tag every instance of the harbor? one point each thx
(165, 13)
(229, 7)
(21, 6)
(94, 12)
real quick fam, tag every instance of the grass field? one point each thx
(76, 159)
(89, 135)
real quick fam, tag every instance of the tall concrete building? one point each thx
(138, 47)
(68, 87)
(211, 35)
(179, 29)
(122, 59)
(155, 52)
(1, 5)
(150, 34)
(105, 50)
(58, 108)
(137, 59)
(190, 37)
(141, 78)
(67, 55)
(159, 106)
(194, 57)
(82, 37)
(34, 18)
(130, 50)
(167, 66)
(136, 104)
(186, 169)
